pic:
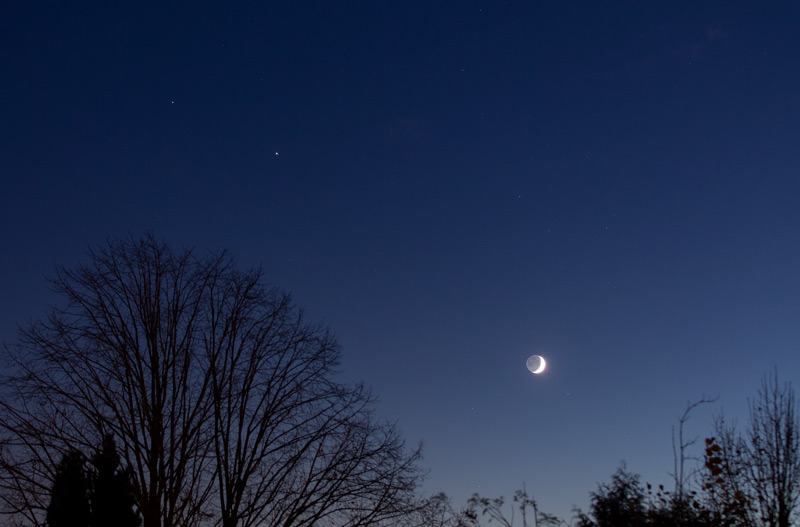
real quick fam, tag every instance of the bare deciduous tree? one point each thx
(222, 397)
(723, 484)
(757, 474)
(680, 446)
(773, 452)
(122, 357)
(681, 500)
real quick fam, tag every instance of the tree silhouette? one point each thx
(223, 399)
(113, 501)
(438, 511)
(773, 452)
(493, 508)
(680, 446)
(620, 503)
(625, 502)
(757, 473)
(723, 485)
(69, 497)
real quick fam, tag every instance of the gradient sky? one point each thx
(451, 186)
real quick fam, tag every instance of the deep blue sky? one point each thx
(451, 186)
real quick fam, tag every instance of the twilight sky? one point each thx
(451, 186)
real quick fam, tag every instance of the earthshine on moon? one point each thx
(536, 364)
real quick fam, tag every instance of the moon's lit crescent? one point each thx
(536, 364)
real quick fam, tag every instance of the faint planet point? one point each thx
(536, 364)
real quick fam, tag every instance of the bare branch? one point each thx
(221, 396)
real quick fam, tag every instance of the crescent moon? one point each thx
(536, 364)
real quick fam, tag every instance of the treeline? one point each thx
(170, 389)
(748, 477)
(745, 478)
